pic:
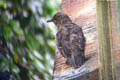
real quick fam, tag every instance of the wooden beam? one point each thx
(104, 24)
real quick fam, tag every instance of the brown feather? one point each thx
(70, 40)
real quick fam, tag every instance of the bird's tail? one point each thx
(77, 60)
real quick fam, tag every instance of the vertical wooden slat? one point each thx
(104, 24)
(118, 31)
(118, 16)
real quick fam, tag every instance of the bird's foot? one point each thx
(68, 61)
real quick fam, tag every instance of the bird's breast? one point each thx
(65, 34)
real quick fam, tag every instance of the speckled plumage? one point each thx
(70, 40)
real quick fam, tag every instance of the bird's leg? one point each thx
(68, 61)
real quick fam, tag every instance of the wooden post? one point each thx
(104, 24)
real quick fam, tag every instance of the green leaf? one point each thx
(32, 42)
(7, 32)
(4, 66)
(14, 69)
(5, 17)
(3, 4)
(15, 25)
(16, 58)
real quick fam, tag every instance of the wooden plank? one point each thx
(104, 22)
(88, 71)
(117, 3)
(118, 16)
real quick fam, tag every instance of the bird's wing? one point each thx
(77, 42)
(63, 43)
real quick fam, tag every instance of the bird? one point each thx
(70, 39)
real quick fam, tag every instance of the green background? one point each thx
(27, 41)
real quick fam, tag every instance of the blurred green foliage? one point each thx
(27, 43)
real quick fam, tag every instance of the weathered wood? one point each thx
(83, 13)
(88, 71)
(117, 3)
(104, 21)
(118, 15)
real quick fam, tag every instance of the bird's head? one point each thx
(60, 18)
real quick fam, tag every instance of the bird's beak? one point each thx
(51, 20)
